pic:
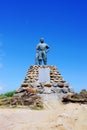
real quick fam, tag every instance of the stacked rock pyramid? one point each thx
(57, 85)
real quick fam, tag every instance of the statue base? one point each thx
(44, 80)
(43, 73)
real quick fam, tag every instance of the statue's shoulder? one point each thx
(45, 44)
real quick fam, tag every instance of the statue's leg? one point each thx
(44, 58)
(40, 58)
(45, 61)
(40, 61)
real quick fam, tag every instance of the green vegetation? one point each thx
(1, 103)
(8, 94)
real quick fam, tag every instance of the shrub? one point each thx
(1, 103)
(8, 94)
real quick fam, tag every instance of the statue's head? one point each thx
(42, 40)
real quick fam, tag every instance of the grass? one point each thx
(1, 103)
(8, 94)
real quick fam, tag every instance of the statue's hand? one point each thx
(47, 50)
(37, 51)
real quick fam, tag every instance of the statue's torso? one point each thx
(42, 47)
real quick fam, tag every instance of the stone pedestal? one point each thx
(44, 81)
(43, 73)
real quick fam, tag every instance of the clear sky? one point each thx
(62, 23)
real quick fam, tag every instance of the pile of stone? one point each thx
(33, 92)
(57, 85)
(33, 72)
(44, 88)
(22, 100)
(76, 97)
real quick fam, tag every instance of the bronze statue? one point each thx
(41, 52)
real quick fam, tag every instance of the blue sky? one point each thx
(62, 23)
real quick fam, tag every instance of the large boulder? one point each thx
(35, 84)
(25, 85)
(65, 90)
(60, 84)
(31, 90)
(47, 84)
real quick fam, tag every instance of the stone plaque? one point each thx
(44, 75)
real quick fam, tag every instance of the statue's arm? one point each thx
(47, 48)
(37, 49)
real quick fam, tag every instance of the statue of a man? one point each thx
(41, 52)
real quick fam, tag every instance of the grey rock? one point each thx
(19, 94)
(65, 90)
(54, 84)
(40, 90)
(71, 90)
(47, 90)
(60, 84)
(66, 84)
(56, 90)
(59, 90)
(35, 84)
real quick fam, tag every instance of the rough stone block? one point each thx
(25, 85)
(47, 84)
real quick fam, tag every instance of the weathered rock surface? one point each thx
(34, 94)
(30, 100)
(56, 88)
(76, 97)
(33, 71)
